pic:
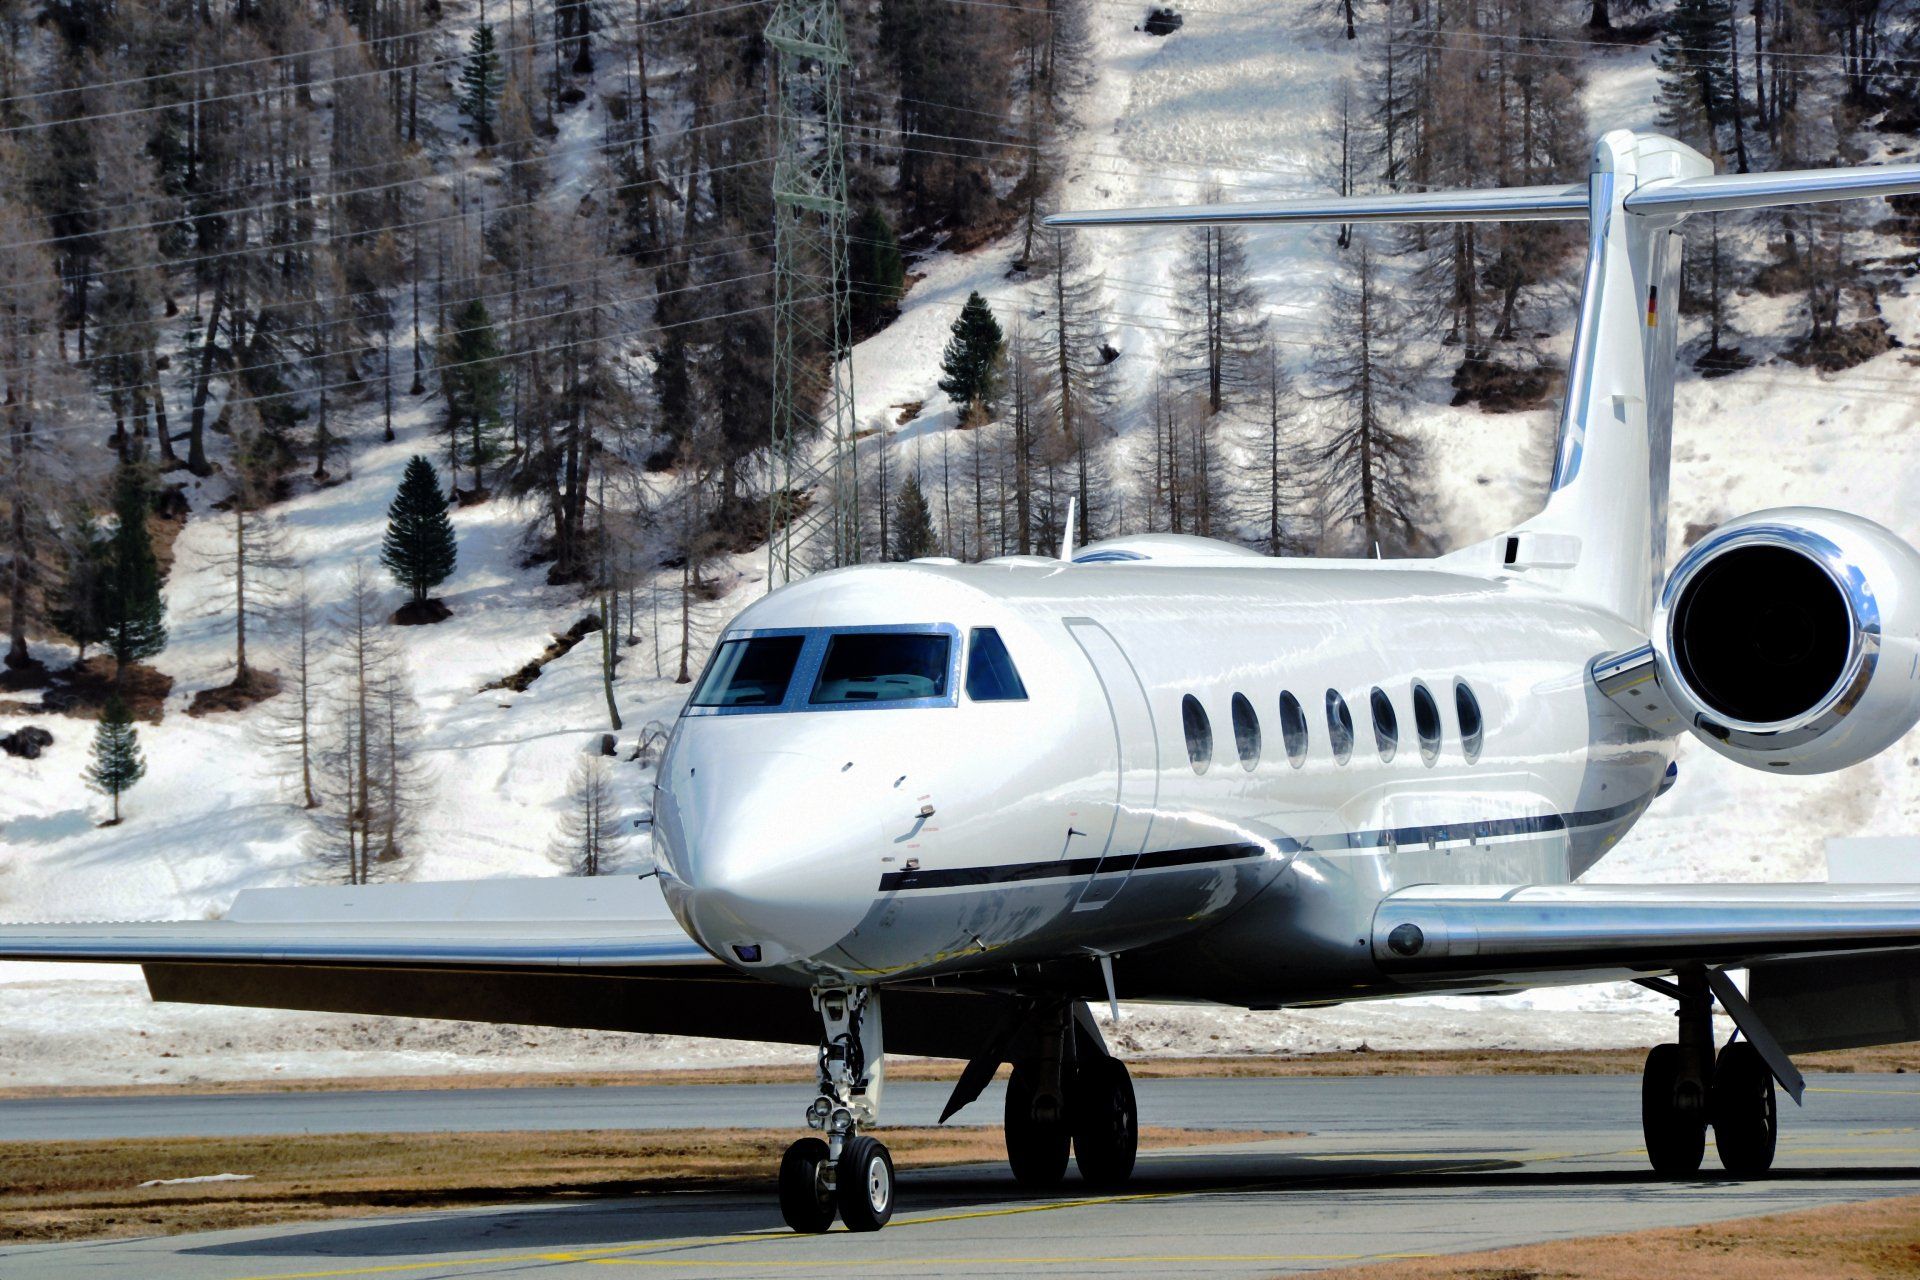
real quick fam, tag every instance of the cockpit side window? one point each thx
(991, 676)
(882, 667)
(750, 673)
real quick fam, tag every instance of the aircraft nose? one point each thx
(769, 856)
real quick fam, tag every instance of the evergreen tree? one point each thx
(971, 361)
(80, 611)
(879, 272)
(419, 548)
(116, 754)
(480, 83)
(471, 377)
(1696, 65)
(133, 615)
(912, 532)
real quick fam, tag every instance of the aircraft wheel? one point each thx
(1746, 1118)
(1036, 1147)
(805, 1202)
(866, 1185)
(1106, 1124)
(1671, 1114)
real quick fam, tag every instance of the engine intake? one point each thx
(1787, 639)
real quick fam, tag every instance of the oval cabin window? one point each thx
(1193, 718)
(1386, 725)
(1472, 728)
(1246, 732)
(1426, 723)
(1339, 727)
(1293, 729)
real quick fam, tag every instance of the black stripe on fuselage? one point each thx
(1240, 851)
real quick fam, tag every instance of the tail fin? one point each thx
(1602, 534)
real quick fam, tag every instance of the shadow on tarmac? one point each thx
(699, 1216)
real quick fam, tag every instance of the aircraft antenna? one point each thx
(813, 507)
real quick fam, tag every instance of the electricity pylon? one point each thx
(813, 510)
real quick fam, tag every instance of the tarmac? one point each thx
(1387, 1167)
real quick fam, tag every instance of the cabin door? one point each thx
(1118, 835)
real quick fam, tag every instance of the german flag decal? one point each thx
(1653, 305)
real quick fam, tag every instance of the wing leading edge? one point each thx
(611, 922)
(601, 953)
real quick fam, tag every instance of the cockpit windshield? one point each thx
(882, 667)
(909, 665)
(750, 673)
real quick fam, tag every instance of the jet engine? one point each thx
(1789, 639)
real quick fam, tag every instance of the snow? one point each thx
(1237, 99)
(205, 1177)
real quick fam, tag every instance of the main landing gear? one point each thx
(1684, 1089)
(849, 1174)
(1070, 1095)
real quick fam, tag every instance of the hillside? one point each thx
(1236, 101)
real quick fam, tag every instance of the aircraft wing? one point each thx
(600, 953)
(1441, 934)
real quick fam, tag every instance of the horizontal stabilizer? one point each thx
(1710, 193)
(1499, 204)
(1716, 192)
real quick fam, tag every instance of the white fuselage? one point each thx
(875, 843)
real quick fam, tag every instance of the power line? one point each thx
(450, 59)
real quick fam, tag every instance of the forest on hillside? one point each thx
(235, 235)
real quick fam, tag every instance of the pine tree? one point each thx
(472, 379)
(971, 361)
(1696, 65)
(419, 549)
(80, 611)
(480, 83)
(116, 754)
(912, 532)
(879, 273)
(134, 623)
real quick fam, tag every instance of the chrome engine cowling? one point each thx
(1789, 639)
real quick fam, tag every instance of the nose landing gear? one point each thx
(849, 1174)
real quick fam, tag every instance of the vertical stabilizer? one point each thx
(1606, 514)
(1602, 536)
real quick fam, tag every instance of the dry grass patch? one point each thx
(1845, 1242)
(71, 1191)
(1360, 1062)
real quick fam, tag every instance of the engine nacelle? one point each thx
(1789, 639)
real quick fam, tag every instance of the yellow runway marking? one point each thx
(996, 1261)
(630, 1255)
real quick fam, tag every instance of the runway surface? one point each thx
(1389, 1167)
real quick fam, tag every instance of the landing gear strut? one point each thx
(849, 1174)
(1684, 1089)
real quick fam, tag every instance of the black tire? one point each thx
(1106, 1124)
(805, 1202)
(1676, 1133)
(865, 1185)
(1037, 1149)
(1745, 1112)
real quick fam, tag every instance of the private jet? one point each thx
(1159, 768)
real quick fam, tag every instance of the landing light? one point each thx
(748, 953)
(1406, 940)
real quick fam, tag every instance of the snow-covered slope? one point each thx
(1238, 100)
